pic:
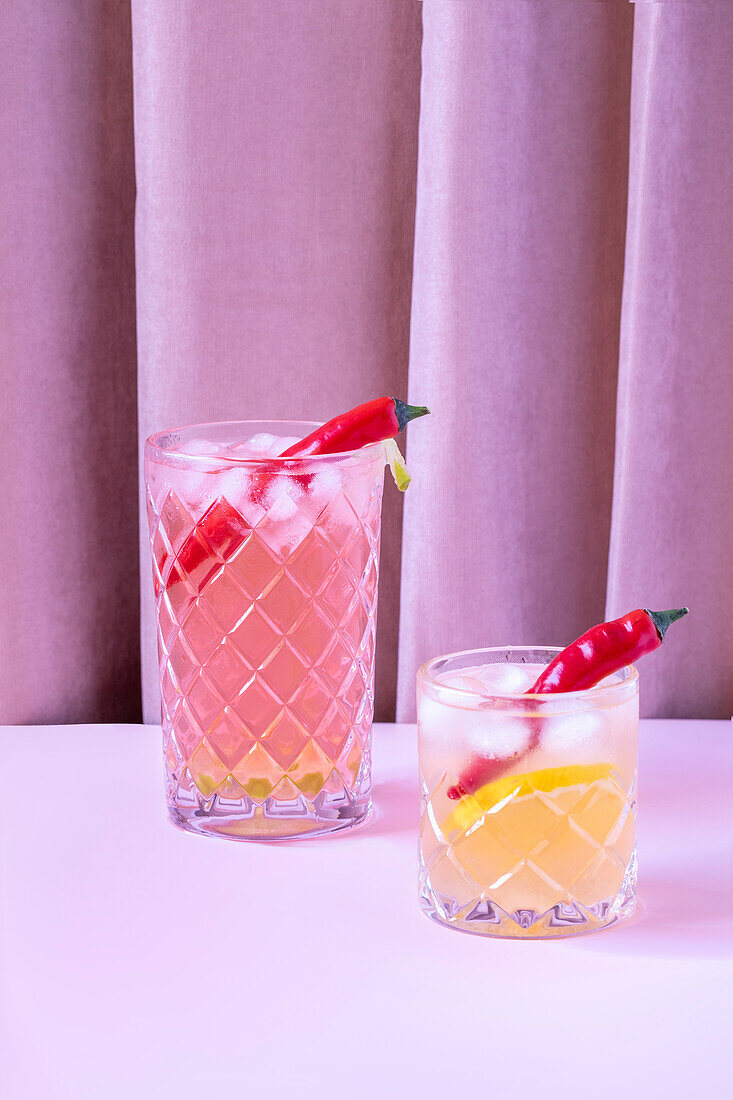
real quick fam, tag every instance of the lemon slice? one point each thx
(397, 465)
(493, 795)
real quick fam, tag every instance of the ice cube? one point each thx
(431, 716)
(505, 679)
(283, 504)
(204, 447)
(239, 451)
(194, 487)
(285, 525)
(231, 483)
(320, 489)
(324, 486)
(608, 681)
(262, 444)
(467, 683)
(283, 443)
(237, 486)
(491, 734)
(464, 731)
(196, 484)
(579, 733)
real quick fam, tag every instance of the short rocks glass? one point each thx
(528, 823)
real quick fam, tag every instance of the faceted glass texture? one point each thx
(544, 844)
(265, 576)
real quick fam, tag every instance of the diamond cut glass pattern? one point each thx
(266, 594)
(545, 845)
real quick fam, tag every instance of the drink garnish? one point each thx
(222, 530)
(605, 649)
(491, 797)
(592, 657)
(372, 422)
(375, 421)
(215, 538)
(397, 465)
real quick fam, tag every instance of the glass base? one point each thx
(482, 917)
(272, 819)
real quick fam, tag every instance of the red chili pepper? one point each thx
(604, 649)
(485, 769)
(222, 530)
(589, 659)
(372, 422)
(213, 540)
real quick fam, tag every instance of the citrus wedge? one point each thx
(492, 797)
(397, 465)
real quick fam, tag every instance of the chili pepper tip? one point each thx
(664, 619)
(406, 413)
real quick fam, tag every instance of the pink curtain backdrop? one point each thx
(518, 211)
(69, 601)
(276, 159)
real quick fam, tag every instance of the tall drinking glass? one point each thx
(265, 573)
(528, 823)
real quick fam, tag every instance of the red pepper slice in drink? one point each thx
(214, 539)
(603, 649)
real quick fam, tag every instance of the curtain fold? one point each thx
(69, 603)
(517, 211)
(276, 148)
(672, 536)
(522, 179)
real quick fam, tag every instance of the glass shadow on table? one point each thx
(685, 902)
(685, 894)
(396, 809)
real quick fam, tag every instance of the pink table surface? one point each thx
(139, 961)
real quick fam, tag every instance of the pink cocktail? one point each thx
(265, 574)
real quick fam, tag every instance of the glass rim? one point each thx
(155, 448)
(629, 676)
